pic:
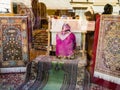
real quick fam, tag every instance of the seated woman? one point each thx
(65, 43)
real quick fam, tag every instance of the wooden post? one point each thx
(49, 25)
(84, 43)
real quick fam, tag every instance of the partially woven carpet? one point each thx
(55, 74)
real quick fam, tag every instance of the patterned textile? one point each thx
(30, 76)
(13, 41)
(107, 56)
(10, 81)
(23, 10)
(40, 40)
(55, 74)
(39, 11)
(98, 87)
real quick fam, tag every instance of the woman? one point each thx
(108, 9)
(65, 42)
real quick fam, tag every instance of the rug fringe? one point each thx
(12, 69)
(107, 77)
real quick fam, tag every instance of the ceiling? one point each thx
(57, 4)
(60, 4)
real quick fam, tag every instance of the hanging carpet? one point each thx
(106, 58)
(13, 43)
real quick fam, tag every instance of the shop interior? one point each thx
(30, 56)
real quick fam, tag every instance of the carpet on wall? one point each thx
(106, 56)
(13, 41)
(23, 10)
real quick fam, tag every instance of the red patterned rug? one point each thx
(10, 81)
(107, 52)
(98, 87)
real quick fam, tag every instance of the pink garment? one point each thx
(65, 44)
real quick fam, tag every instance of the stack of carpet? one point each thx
(40, 39)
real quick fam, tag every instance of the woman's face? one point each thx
(65, 27)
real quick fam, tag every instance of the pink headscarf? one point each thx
(65, 28)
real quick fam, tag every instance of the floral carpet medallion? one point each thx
(13, 41)
(107, 65)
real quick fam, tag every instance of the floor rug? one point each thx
(54, 74)
(11, 81)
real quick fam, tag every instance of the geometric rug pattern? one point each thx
(13, 41)
(51, 73)
(106, 56)
(23, 10)
(12, 80)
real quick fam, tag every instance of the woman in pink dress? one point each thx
(65, 42)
